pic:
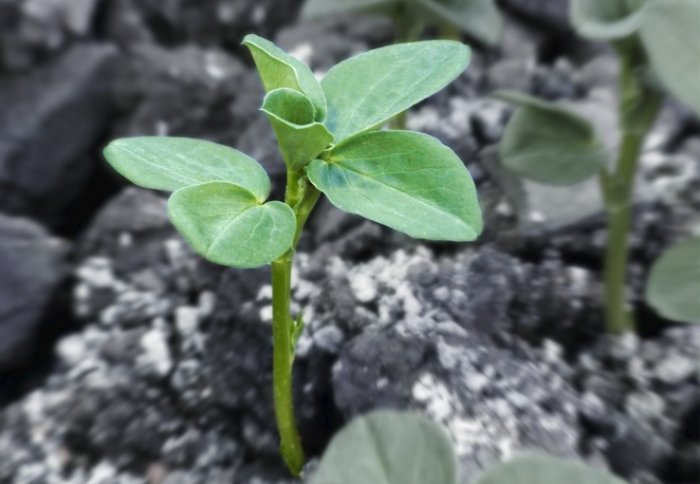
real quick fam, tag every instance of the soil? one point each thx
(141, 363)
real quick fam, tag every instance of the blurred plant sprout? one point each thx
(327, 135)
(478, 19)
(389, 447)
(657, 46)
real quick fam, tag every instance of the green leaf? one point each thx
(319, 8)
(542, 469)
(388, 447)
(478, 18)
(671, 36)
(173, 163)
(278, 69)
(228, 225)
(408, 181)
(673, 287)
(549, 144)
(300, 138)
(366, 90)
(605, 19)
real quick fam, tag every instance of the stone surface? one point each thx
(51, 122)
(34, 266)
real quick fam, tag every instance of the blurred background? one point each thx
(127, 359)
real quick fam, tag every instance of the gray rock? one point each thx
(34, 269)
(51, 121)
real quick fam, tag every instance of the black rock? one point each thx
(34, 267)
(51, 121)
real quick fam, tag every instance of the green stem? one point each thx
(639, 107)
(302, 196)
(290, 443)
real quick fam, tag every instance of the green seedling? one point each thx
(656, 43)
(327, 135)
(389, 447)
(478, 19)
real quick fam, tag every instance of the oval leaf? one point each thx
(300, 138)
(671, 36)
(549, 144)
(319, 8)
(541, 469)
(408, 181)
(605, 19)
(371, 88)
(278, 69)
(164, 163)
(477, 18)
(673, 288)
(227, 225)
(389, 448)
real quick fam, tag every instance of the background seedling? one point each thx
(656, 43)
(478, 19)
(327, 136)
(388, 447)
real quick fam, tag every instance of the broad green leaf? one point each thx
(320, 8)
(371, 88)
(408, 181)
(542, 469)
(300, 138)
(673, 288)
(605, 19)
(278, 69)
(671, 35)
(388, 447)
(478, 18)
(172, 163)
(549, 144)
(228, 225)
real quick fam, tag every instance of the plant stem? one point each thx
(302, 196)
(639, 106)
(290, 443)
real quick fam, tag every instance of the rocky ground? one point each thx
(126, 359)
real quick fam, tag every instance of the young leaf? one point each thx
(542, 469)
(478, 18)
(300, 138)
(388, 447)
(278, 69)
(673, 287)
(408, 181)
(320, 8)
(605, 19)
(367, 90)
(549, 144)
(228, 225)
(172, 163)
(671, 36)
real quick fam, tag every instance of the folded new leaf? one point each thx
(228, 225)
(366, 90)
(291, 115)
(387, 447)
(549, 144)
(543, 469)
(671, 36)
(408, 181)
(673, 288)
(278, 69)
(605, 20)
(164, 163)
